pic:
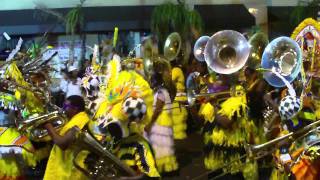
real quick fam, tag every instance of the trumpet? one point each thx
(107, 166)
(33, 125)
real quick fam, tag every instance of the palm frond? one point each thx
(44, 9)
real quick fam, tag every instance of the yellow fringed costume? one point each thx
(135, 151)
(60, 165)
(225, 145)
(161, 136)
(9, 165)
(121, 85)
(9, 135)
(179, 112)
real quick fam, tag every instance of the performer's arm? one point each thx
(62, 141)
(222, 120)
(156, 113)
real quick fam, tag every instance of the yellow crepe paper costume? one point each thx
(10, 168)
(225, 145)
(161, 136)
(136, 152)
(9, 135)
(179, 112)
(120, 86)
(60, 165)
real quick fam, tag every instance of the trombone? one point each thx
(261, 150)
(192, 98)
(220, 96)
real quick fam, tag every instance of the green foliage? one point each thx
(169, 17)
(195, 20)
(34, 51)
(255, 29)
(303, 10)
(74, 19)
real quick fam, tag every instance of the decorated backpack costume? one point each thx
(126, 107)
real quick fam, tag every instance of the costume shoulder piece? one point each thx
(237, 103)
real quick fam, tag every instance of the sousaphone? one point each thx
(148, 53)
(282, 55)
(199, 46)
(172, 46)
(258, 42)
(226, 52)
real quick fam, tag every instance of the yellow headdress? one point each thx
(120, 86)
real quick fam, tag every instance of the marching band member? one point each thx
(13, 160)
(160, 132)
(179, 112)
(60, 163)
(227, 132)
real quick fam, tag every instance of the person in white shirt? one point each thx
(73, 84)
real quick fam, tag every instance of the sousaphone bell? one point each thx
(258, 42)
(226, 52)
(284, 56)
(172, 46)
(148, 53)
(199, 46)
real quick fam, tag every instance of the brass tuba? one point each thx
(199, 46)
(284, 56)
(258, 43)
(226, 52)
(148, 54)
(172, 46)
(32, 125)
(107, 166)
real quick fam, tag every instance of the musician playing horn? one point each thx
(60, 163)
(226, 131)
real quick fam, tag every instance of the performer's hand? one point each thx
(147, 128)
(48, 126)
(3, 86)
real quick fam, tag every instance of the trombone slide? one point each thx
(254, 149)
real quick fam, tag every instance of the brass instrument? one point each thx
(220, 96)
(258, 42)
(148, 54)
(284, 56)
(261, 149)
(107, 165)
(33, 125)
(199, 46)
(172, 46)
(226, 52)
